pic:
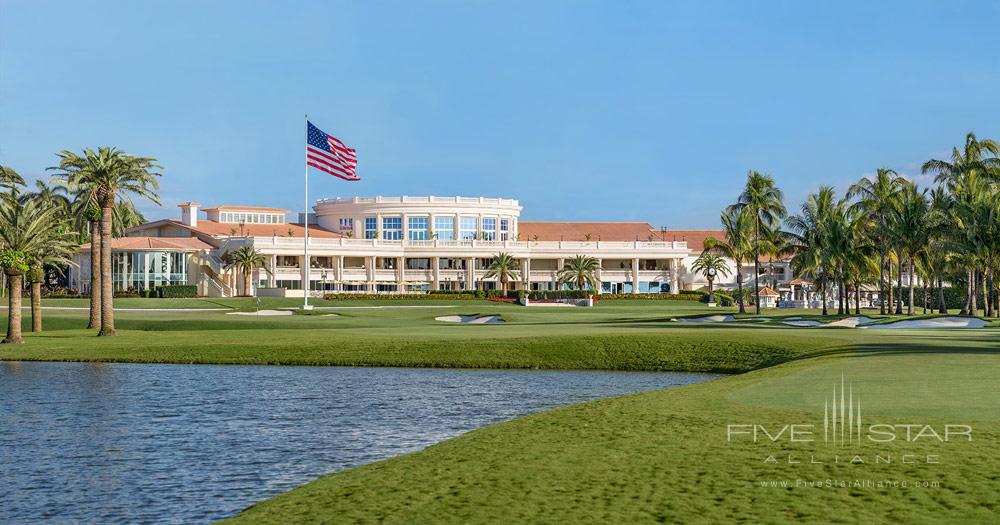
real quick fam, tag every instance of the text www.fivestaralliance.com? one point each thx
(848, 484)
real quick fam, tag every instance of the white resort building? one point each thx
(405, 244)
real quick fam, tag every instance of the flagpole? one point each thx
(305, 263)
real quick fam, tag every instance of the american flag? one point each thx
(324, 152)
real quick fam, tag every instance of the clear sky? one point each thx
(583, 110)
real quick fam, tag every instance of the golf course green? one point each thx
(679, 455)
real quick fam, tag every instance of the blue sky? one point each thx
(583, 110)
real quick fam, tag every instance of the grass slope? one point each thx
(663, 456)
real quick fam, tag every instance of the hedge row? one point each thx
(177, 290)
(399, 296)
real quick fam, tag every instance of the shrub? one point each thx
(438, 295)
(177, 291)
(687, 296)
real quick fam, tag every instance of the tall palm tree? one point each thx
(710, 265)
(764, 202)
(913, 226)
(737, 244)
(105, 176)
(876, 198)
(580, 271)
(59, 245)
(246, 260)
(26, 229)
(811, 237)
(503, 267)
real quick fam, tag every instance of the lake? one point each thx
(116, 443)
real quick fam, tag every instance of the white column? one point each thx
(675, 275)
(470, 273)
(436, 262)
(600, 268)
(400, 273)
(370, 271)
(560, 262)
(526, 278)
(635, 275)
(274, 269)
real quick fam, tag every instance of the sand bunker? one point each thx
(707, 319)
(937, 322)
(470, 319)
(264, 312)
(802, 323)
(851, 322)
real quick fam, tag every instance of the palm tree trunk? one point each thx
(107, 292)
(246, 284)
(840, 296)
(899, 286)
(942, 308)
(973, 292)
(968, 294)
(881, 283)
(756, 263)
(95, 275)
(909, 307)
(986, 294)
(891, 299)
(857, 298)
(739, 285)
(36, 306)
(14, 309)
(822, 288)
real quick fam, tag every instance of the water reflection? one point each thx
(180, 444)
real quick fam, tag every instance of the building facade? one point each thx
(407, 244)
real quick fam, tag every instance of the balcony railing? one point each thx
(345, 242)
(406, 199)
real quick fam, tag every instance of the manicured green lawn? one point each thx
(664, 457)
(655, 457)
(617, 335)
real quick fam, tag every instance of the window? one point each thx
(467, 228)
(489, 229)
(346, 224)
(418, 263)
(371, 227)
(416, 228)
(504, 228)
(392, 228)
(444, 228)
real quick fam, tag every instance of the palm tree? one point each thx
(912, 225)
(26, 229)
(580, 271)
(737, 227)
(710, 265)
(60, 243)
(503, 267)
(103, 177)
(763, 201)
(811, 237)
(9, 179)
(876, 198)
(246, 260)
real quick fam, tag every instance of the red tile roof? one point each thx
(694, 238)
(577, 231)
(247, 208)
(186, 244)
(224, 229)
(767, 291)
